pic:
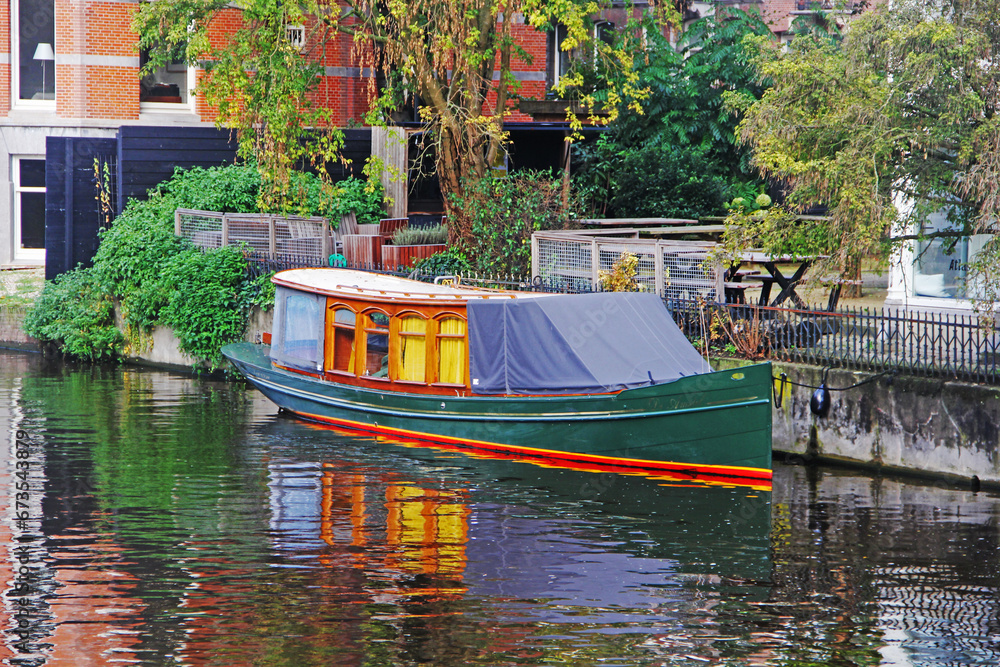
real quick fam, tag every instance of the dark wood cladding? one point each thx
(148, 155)
(72, 212)
(140, 158)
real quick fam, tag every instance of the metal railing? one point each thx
(263, 263)
(951, 345)
(916, 343)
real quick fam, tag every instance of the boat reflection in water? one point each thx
(500, 540)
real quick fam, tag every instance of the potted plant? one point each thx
(412, 243)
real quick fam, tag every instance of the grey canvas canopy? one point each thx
(576, 344)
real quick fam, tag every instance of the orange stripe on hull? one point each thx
(715, 474)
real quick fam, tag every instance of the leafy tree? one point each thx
(897, 121)
(687, 85)
(681, 137)
(655, 180)
(457, 57)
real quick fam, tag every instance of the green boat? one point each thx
(600, 381)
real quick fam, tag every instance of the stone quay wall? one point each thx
(923, 426)
(12, 336)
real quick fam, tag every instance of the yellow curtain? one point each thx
(412, 332)
(451, 352)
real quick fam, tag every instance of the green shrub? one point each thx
(230, 189)
(421, 235)
(448, 262)
(363, 198)
(132, 257)
(75, 312)
(207, 307)
(504, 212)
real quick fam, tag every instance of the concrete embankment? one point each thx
(897, 424)
(12, 336)
(19, 287)
(161, 348)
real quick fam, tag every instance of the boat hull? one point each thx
(711, 426)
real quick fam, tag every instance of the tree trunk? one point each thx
(852, 271)
(455, 162)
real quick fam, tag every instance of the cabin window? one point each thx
(299, 330)
(452, 356)
(377, 345)
(342, 358)
(412, 348)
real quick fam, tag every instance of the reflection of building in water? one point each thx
(63, 603)
(932, 614)
(911, 573)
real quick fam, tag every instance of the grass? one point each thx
(19, 288)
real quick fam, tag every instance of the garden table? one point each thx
(786, 284)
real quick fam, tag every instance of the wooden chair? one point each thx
(387, 227)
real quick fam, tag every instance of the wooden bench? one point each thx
(736, 291)
(836, 285)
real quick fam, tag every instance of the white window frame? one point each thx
(23, 254)
(15, 64)
(558, 55)
(172, 107)
(602, 24)
(295, 33)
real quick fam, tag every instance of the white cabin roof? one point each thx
(348, 282)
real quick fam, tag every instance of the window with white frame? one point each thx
(604, 31)
(29, 207)
(557, 60)
(168, 87)
(34, 71)
(296, 35)
(941, 265)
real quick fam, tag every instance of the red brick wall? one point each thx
(94, 47)
(98, 73)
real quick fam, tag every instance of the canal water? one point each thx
(160, 519)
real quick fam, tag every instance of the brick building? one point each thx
(70, 68)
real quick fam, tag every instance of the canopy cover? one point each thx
(576, 344)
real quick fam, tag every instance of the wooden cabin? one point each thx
(375, 331)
